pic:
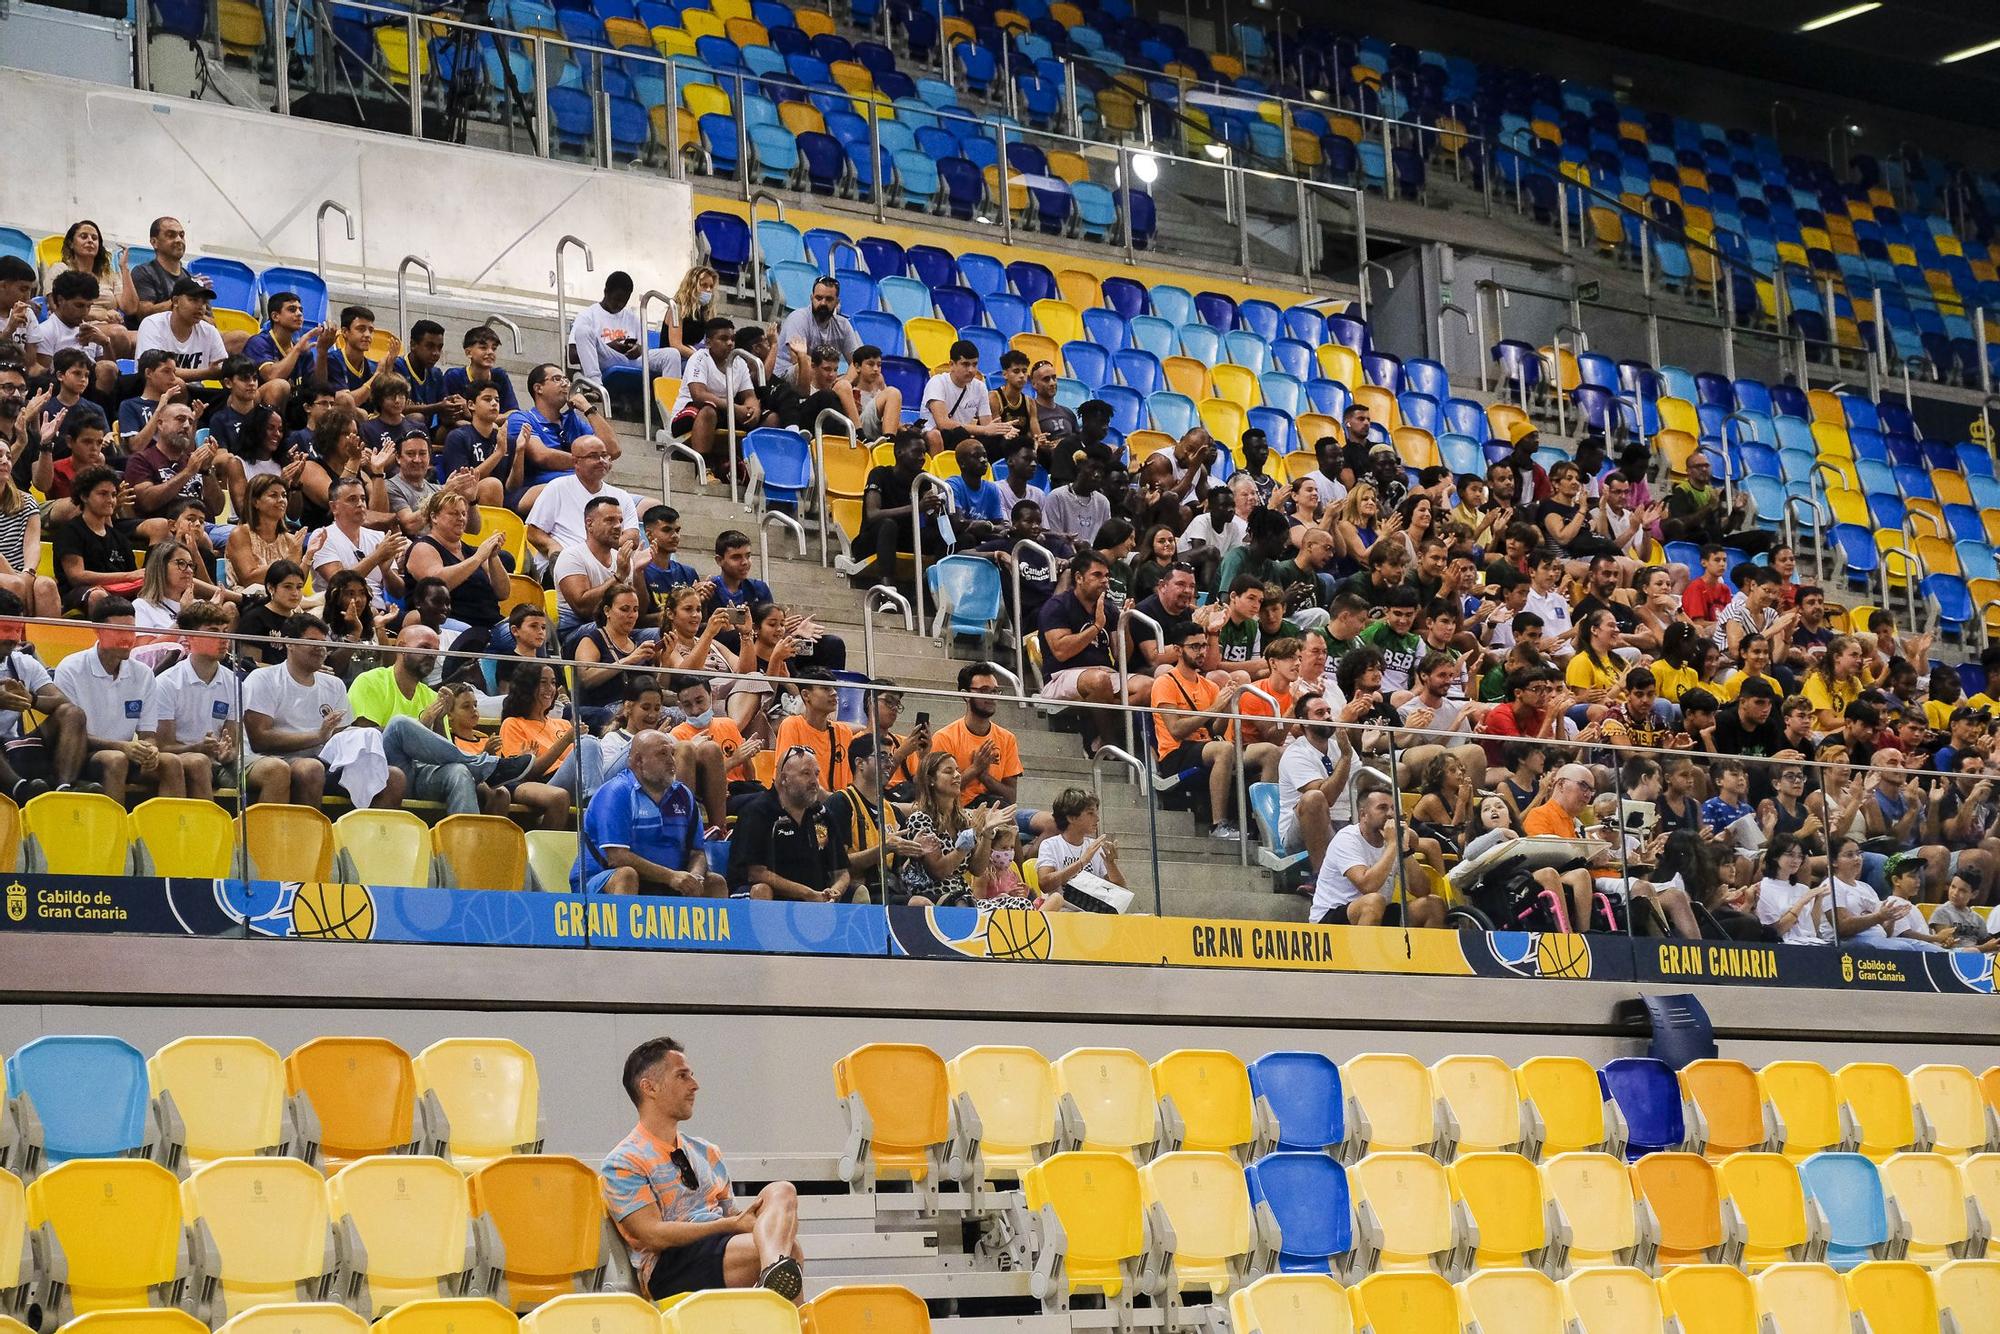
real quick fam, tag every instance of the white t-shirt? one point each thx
(578, 560)
(1446, 720)
(1300, 765)
(1348, 851)
(28, 670)
(1553, 608)
(344, 553)
(1200, 532)
(1815, 921)
(558, 511)
(702, 367)
(1331, 491)
(52, 336)
(1859, 900)
(148, 615)
(202, 347)
(592, 331)
(199, 709)
(114, 706)
(1058, 852)
(964, 404)
(292, 707)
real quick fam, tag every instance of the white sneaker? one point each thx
(1225, 831)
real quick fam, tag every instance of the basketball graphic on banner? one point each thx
(328, 910)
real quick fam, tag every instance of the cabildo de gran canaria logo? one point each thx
(17, 902)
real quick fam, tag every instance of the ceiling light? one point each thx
(1216, 149)
(1969, 52)
(1146, 167)
(1839, 16)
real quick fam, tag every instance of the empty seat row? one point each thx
(333, 1100)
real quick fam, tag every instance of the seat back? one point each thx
(288, 842)
(727, 1311)
(1503, 1194)
(450, 1315)
(482, 851)
(118, 1221)
(1970, 1290)
(1930, 1194)
(1725, 1092)
(1291, 1304)
(413, 1217)
(1096, 1198)
(1682, 1192)
(1613, 1300)
(866, 1308)
(1849, 1192)
(77, 833)
(1405, 1303)
(383, 848)
(1877, 1095)
(1565, 1100)
(1211, 1096)
(269, 1221)
(298, 1318)
(228, 1092)
(1208, 1206)
(1649, 1096)
(594, 1313)
(1392, 1095)
(1511, 1301)
(1409, 1198)
(1802, 1299)
(1301, 1092)
(1013, 1092)
(90, 1093)
(490, 1094)
(181, 836)
(1765, 1190)
(1304, 1197)
(1594, 1193)
(1709, 1299)
(363, 1090)
(152, 1320)
(1111, 1090)
(1894, 1296)
(550, 1217)
(904, 1089)
(1806, 1107)
(1482, 1101)
(1949, 1097)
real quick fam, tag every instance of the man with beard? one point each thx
(396, 700)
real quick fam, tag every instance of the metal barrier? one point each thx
(881, 595)
(403, 288)
(917, 486)
(326, 206)
(562, 294)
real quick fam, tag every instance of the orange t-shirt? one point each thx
(722, 731)
(956, 740)
(1253, 706)
(1182, 694)
(525, 736)
(1550, 821)
(830, 746)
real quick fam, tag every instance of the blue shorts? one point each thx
(600, 880)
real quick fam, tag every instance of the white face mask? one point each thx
(704, 298)
(701, 720)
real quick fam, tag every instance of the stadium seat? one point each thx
(1934, 1224)
(1894, 1297)
(724, 1311)
(450, 1315)
(1970, 1291)
(1649, 1097)
(481, 852)
(1402, 1210)
(1763, 1200)
(1567, 1108)
(1009, 1093)
(1593, 1204)
(1405, 1303)
(298, 1318)
(219, 1097)
(552, 854)
(177, 836)
(383, 848)
(1200, 1200)
(75, 833)
(77, 1098)
(1095, 1197)
(1300, 1201)
(1291, 1304)
(555, 1236)
(1205, 1101)
(898, 1114)
(482, 1099)
(1682, 1192)
(26, 1258)
(288, 842)
(850, 1308)
(1876, 1098)
(1802, 1297)
(361, 1093)
(1614, 1300)
(153, 1320)
(406, 1230)
(118, 1222)
(1391, 1103)
(1298, 1100)
(1954, 1113)
(1709, 1299)
(1511, 1301)
(1724, 1096)
(262, 1234)
(1107, 1101)
(1500, 1194)
(1848, 1192)
(1805, 1108)
(1482, 1107)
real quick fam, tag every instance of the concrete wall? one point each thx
(248, 185)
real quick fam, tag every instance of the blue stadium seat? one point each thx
(786, 459)
(1127, 297)
(1299, 1093)
(970, 587)
(1648, 1094)
(884, 258)
(1088, 362)
(1153, 334)
(932, 265)
(880, 329)
(308, 286)
(1301, 1203)
(958, 306)
(1172, 413)
(1106, 328)
(983, 274)
(1009, 314)
(90, 1095)
(905, 298)
(775, 152)
(1139, 369)
(964, 188)
(1848, 1191)
(1128, 409)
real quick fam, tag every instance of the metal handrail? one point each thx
(784, 521)
(1454, 308)
(1021, 629)
(327, 206)
(1361, 281)
(1123, 650)
(403, 287)
(754, 198)
(562, 294)
(917, 485)
(502, 322)
(879, 596)
(1119, 755)
(650, 295)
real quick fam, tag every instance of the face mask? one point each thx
(1001, 859)
(704, 298)
(701, 720)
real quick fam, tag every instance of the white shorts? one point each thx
(1065, 684)
(1288, 833)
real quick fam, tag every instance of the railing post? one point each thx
(877, 597)
(1123, 650)
(1388, 162)
(1021, 632)
(600, 109)
(917, 533)
(676, 169)
(1005, 172)
(1306, 237)
(743, 141)
(1125, 161)
(1361, 245)
(1242, 216)
(416, 87)
(875, 155)
(142, 38)
(1729, 326)
(1007, 75)
(541, 95)
(1979, 336)
(281, 56)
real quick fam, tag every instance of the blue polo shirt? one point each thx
(662, 580)
(987, 501)
(263, 349)
(559, 434)
(622, 815)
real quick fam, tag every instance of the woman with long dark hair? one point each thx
(529, 725)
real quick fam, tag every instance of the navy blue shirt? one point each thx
(560, 434)
(340, 375)
(751, 591)
(623, 814)
(458, 381)
(263, 349)
(661, 581)
(134, 413)
(465, 447)
(424, 389)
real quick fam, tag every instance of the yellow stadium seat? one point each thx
(1833, 440)
(1314, 427)
(1894, 1296)
(1970, 1290)
(1952, 488)
(1204, 1101)
(234, 321)
(383, 848)
(1805, 1107)
(898, 1114)
(852, 76)
(1058, 319)
(1186, 375)
(1681, 1189)
(1079, 287)
(180, 836)
(1954, 1113)
(1391, 1103)
(361, 1091)
(76, 833)
(1511, 1301)
(1504, 418)
(1224, 420)
(1291, 1304)
(552, 857)
(1876, 1097)
(118, 1222)
(930, 342)
(410, 1221)
(628, 34)
(1480, 1103)
(1566, 1108)
(1338, 362)
(1035, 347)
(1204, 1201)
(1594, 1202)
(24, 1258)
(1412, 1303)
(1402, 1209)
(1011, 1093)
(1142, 445)
(288, 842)
(801, 117)
(1931, 1194)
(53, 643)
(264, 1233)
(481, 852)
(1616, 1300)
(1106, 1096)
(553, 1230)
(746, 32)
(670, 41)
(219, 1097)
(596, 1313)
(1095, 1197)
(865, 1308)
(704, 99)
(1709, 1299)
(1768, 1205)
(1501, 1193)
(157, 1320)
(1381, 404)
(297, 1318)
(451, 1315)
(393, 41)
(1017, 192)
(1299, 464)
(1238, 384)
(1677, 414)
(1559, 365)
(513, 529)
(1803, 1299)
(1415, 446)
(722, 1311)
(482, 1098)
(1732, 1112)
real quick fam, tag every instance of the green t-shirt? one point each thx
(1239, 642)
(1241, 561)
(1400, 654)
(1336, 649)
(375, 696)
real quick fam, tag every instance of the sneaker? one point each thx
(92, 789)
(26, 790)
(1225, 831)
(783, 1277)
(510, 770)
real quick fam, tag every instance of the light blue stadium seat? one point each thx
(1299, 1091)
(1302, 1198)
(1199, 341)
(1172, 413)
(1007, 312)
(1461, 454)
(1096, 210)
(776, 152)
(15, 242)
(970, 588)
(883, 331)
(1174, 304)
(781, 243)
(991, 344)
(793, 282)
(1286, 393)
(1648, 1093)
(1248, 349)
(786, 460)
(88, 1097)
(918, 177)
(905, 298)
(1153, 334)
(1848, 1191)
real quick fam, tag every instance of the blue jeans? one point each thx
(438, 770)
(588, 755)
(1898, 943)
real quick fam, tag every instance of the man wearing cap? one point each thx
(183, 331)
(1750, 728)
(958, 405)
(1963, 731)
(607, 335)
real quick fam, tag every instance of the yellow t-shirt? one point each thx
(1674, 681)
(1583, 674)
(1937, 714)
(1834, 701)
(1725, 692)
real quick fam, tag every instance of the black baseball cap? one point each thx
(185, 286)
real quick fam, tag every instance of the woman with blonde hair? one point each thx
(685, 328)
(170, 580)
(1357, 528)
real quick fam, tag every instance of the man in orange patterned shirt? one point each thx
(669, 1194)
